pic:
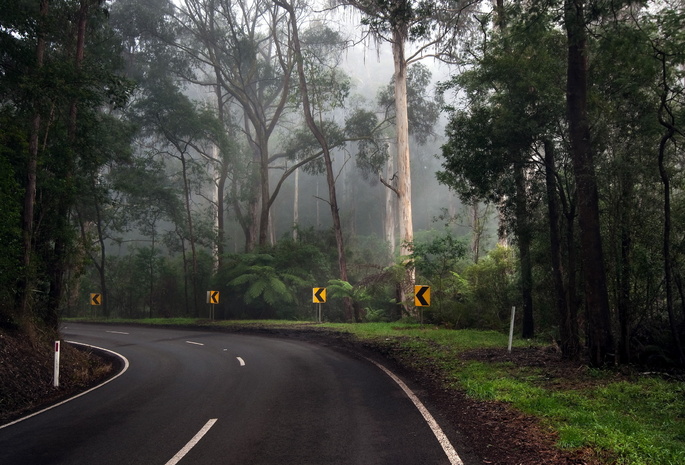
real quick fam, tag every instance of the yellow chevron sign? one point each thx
(319, 295)
(212, 297)
(96, 299)
(422, 296)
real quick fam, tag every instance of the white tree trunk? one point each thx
(390, 223)
(215, 200)
(403, 167)
(403, 155)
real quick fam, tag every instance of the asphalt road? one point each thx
(194, 397)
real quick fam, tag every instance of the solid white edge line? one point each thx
(450, 451)
(241, 361)
(192, 443)
(126, 365)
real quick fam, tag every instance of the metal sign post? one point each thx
(422, 298)
(95, 301)
(319, 297)
(213, 299)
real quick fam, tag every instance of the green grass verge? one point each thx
(635, 422)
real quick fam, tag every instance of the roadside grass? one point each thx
(636, 420)
(640, 421)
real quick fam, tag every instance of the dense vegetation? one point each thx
(151, 151)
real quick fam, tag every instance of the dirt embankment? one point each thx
(27, 373)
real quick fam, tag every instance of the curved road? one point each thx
(194, 397)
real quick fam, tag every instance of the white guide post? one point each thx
(511, 327)
(55, 382)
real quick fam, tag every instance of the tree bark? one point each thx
(59, 250)
(191, 234)
(524, 241)
(403, 163)
(568, 327)
(390, 219)
(666, 246)
(25, 282)
(624, 267)
(667, 123)
(599, 337)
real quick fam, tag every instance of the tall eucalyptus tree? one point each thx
(244, 49)
(311, 102)
(433, 26)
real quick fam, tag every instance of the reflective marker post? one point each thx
(55, 382)
(511, 327)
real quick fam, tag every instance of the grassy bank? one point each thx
(625, 417)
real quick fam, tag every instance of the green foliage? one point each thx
(363, 126)
(10, 233)
(631, 420)
(437, 257)
(509, 111)
(71, 107)
(493, 289)
(435, 260)
(514, 97)
(342, 289)
(266, 285)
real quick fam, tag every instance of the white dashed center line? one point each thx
(241, 361)
(116, 332)
(196, 343)
(192, 443)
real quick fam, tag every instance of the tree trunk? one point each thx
(600, 340)
(26, 280)
(265, 192)
(403, 164)
(59, 266)
(349, 308)
(221, 181)
(624, 267)
(191, 234)
(477, 232)
(524, 240)
(102, 269)
(390, 219)
(250, 223)
(567, 327)
(220, 215)
(666, 245)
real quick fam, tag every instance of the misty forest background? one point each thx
(155, 150)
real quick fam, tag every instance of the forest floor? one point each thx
(492, 431)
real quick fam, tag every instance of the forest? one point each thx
(508, 154)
